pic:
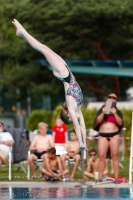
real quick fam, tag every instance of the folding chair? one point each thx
(38, 163)
(9, 166)
(18, 155)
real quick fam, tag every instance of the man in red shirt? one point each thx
(60, 132)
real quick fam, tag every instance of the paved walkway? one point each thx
(62, 185)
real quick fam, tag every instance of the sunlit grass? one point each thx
(19, 175)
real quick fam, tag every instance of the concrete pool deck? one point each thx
(62, 185)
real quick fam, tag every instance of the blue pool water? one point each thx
(66, 193)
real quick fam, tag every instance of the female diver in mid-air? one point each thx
(71, 110)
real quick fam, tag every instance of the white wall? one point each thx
(120, 105)
(8, 122)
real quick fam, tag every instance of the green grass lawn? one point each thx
(19, 175)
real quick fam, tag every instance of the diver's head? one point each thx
(64, 114)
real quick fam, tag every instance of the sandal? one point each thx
(117, 181)
(34, 177)
(55, 179)
(99, 181)
(41, 177)
(69, 179)
(52, 179)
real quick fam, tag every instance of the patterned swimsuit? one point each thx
(74, 89)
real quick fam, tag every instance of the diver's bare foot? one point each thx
(82, 147)
(19, 27)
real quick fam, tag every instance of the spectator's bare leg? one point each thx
(43, 164)
(106, 167)
(88, 174)
(65, 168)
(112, 170)
(63, 160)
(2, 155)
(1, 161)
(31, 160)
(65, 172)
(114, 148)
(76, 164)
(45, 172)
(102, 151)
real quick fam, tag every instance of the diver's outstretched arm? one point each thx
(72, 105)
(77, 127)
(82, 127)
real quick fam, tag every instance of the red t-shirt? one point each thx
(60, 133)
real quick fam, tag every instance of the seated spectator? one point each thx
(60, 132)
(6, 143)
(40, 144)
(52, 167)
(72, 152)
(93, 164)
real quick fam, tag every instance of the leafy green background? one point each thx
(74, 29)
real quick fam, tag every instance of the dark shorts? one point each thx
(56, 171)
(38, 154)
(73, 152)
(109, 135)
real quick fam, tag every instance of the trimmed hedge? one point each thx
(37, 116)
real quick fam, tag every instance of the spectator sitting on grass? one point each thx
(52, 166)
(92, 164)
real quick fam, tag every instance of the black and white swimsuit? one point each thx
(74, 89)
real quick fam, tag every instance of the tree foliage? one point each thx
(75, 29)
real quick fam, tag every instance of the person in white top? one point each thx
(6, 143)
